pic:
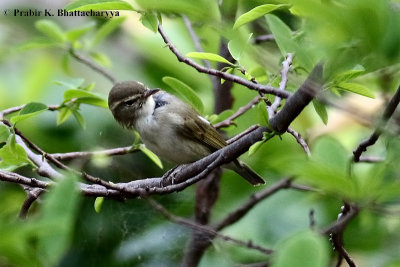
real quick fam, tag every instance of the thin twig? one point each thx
(228, 121)
(19, 179)
(8, 111)
(206, 229)
(236, 215)
(264, 38)
(196, 40)
(389, 110)
(282, 85)
(371, 159)
(93, 65)
(33, 195)
(267, 89)
(300, 140)
(87, 154)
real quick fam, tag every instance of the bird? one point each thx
(169, 127)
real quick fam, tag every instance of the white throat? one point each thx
(144, 115)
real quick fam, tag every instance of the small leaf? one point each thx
(65, 63)
(12, 154)
(262, 113)
(4, 132)
(308, 249)
(237, 45)
(349, 75)
(71, 83)
(30, 110)
(228, 70)
(286, 43)
(51, 29)
(94, 101)
(149, 20)
(98, 203)
(254, 14)
(209, 56)
(151, 155)
(222, 116)
(185, 91)
(63, 115)
(107, 29)
(99, 5)
(78, 116)
(254, 147)
(85, 97)
(75, 34)
(101, 58)
(38, 42)
(356, 88)
(321, 111)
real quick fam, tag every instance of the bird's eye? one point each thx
(129, 102)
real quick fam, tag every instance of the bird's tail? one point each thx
(246, 172)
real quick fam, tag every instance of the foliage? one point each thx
(358, 43)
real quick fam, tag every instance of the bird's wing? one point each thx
(198, 129)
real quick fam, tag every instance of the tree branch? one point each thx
(282, 85)
(298, 101)
(264, 38)
(239, 213)
(87, 154)
(267, 89)
(33, 195)
(229, 121)
(389, 110)
(206, 229)
(93, 65)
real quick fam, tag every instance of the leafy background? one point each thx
(357, 40)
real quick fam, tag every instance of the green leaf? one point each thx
(149, 20)
(185, 91)
(151, 155)
(71, 83)
(65, 63)
(254, 14)
(98, 203)
(78, 116)
(254, 147)
(56, 225)
(4, 132)
(237, 45)
(101, 58)
(12, 154)
(63, 114)
(349, 75)
(85, 97)
(87, 5)
(107, 29)
(228, 70)
(222, 116)
(30, 110)
(209, 56)
(51, 29)
(37, 42)
(262, 113)
(75, 34)
(286, 42)
(321, 111)
(306, 249)
(356, 88)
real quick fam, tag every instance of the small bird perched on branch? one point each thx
(170, 128)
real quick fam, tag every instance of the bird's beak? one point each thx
(150, 92)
